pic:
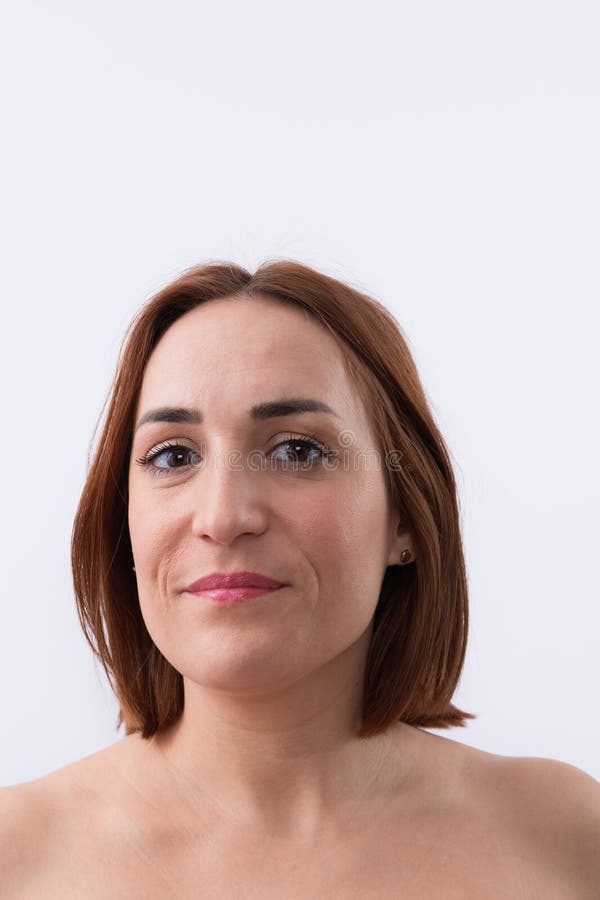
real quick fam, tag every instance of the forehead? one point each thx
(227, 354)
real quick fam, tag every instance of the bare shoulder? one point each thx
(541, 815)
(41, 818)
(553, 809)
(560, 806)
(25, 823)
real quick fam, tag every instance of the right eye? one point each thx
(170, 451)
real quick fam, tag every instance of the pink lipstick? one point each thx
(234, 587)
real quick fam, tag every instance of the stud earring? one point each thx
(405, 555)
(133, 567)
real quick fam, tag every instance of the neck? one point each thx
(285, 761)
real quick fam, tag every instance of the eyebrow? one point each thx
(268, 410)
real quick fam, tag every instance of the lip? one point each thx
(226, 581)
(232, 596)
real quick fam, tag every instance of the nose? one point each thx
(228, 500)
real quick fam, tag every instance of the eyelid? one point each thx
(289, 434)
(147, 461)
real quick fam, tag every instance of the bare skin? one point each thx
(455, 822)
(262, 789)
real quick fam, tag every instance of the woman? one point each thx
(267, 562)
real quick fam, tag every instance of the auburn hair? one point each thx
(420, 622)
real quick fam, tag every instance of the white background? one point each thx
(442, 157)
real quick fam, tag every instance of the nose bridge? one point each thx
(228, 499)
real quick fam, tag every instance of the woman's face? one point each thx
(231, 498)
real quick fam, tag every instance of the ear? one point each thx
(400, 541)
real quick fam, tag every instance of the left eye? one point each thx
(298, 444)
(178, 451)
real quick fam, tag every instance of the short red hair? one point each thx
(421, 620)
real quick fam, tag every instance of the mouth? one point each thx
(233, 596)
(233, 580)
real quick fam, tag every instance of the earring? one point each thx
(405, 555)
(133, 567)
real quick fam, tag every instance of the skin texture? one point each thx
(273, 688)
(262, 790)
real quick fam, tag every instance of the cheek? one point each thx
(348, 543)
(152, 531)
(157, 550)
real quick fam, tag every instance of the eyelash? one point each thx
(147, 461)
